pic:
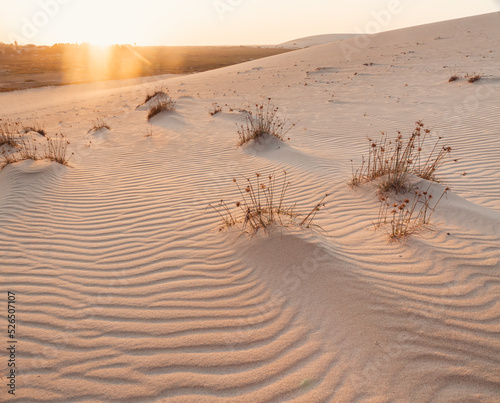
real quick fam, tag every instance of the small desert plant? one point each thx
(161, 105)
(263, 121)
(395, 160)
(36, 127)
(158, 90)
(30, 149)
(474, 77)
(98, 124)
(404, 218)
(54, 149)
(263, 204)
(454, 77)
(8, 129)
(215, 109)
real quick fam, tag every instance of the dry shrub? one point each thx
(215, 109)
(474, 77)
(263, 204)
(161, 105)
(263, 121)
(158, 90)
(54, 149)
(36, 127)
(98, 124)
(395, 160)
(403, 218)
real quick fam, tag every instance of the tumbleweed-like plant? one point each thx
(263, 203)
(263, 120)
(394, 160)
(403, 218)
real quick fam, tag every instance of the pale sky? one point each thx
(216, 22)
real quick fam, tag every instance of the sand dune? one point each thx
(314, 41)
(127, 291)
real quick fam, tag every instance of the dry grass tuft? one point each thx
(54, 149)
(474, 77)
(263, 204)
(158, 90)
(57, 149)
(215, 109)
(98, 124)
(263, 121)
(403, 218)
(161, 105)
(395, 160)
(454, 77)
(35, 127)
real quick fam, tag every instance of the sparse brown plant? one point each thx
(55, 149)
(30, 149)
(159, 90)
(98, 124)
(454, 77)
(161, 105)
(394, 160)
(403, 218)
(474, 77)
(215, 109)
(262, 204)
(264, 120)
(36, 127)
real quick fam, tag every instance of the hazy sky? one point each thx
(216, 22)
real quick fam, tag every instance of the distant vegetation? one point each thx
(31, 66)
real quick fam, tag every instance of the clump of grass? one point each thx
(474, 77)
(161, 105)
(264, 120)
(8, 130)
(403, 218)
(263, 204)
(215, 109)
(454, 77)
(30, 149)
(159, 90)
(36, 127)
(99, 124)
(395, 160)
(54, 149)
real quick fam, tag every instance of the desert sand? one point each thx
(315, 40)
(127, 291)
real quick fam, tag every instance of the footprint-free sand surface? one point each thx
(126, 291)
